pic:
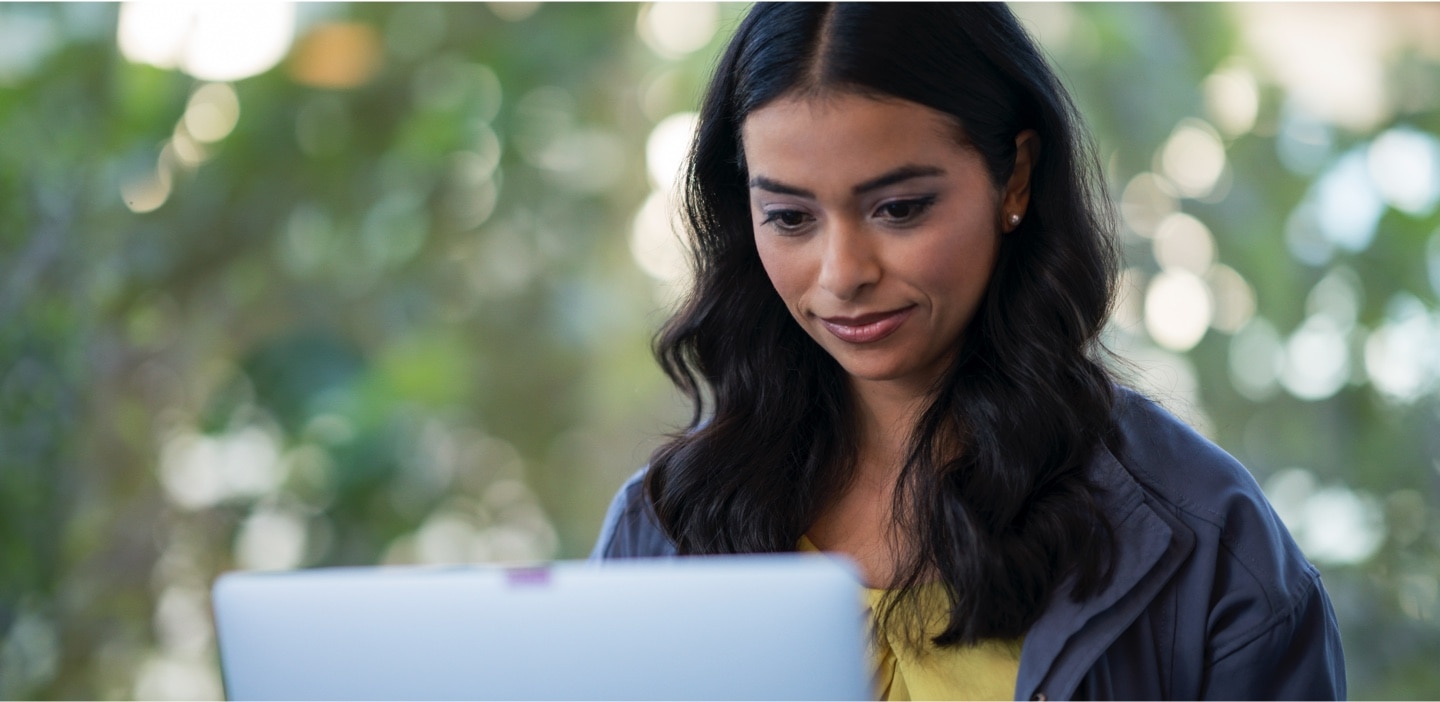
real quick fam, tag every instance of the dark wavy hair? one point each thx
(992, 501)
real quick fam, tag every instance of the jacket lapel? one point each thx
(1068, 638)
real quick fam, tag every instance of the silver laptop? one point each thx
(720, 628)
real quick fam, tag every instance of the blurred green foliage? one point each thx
(399, 317)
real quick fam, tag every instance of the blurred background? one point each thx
(287, 286)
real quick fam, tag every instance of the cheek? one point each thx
(958, 268)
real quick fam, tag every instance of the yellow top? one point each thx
(986, 671)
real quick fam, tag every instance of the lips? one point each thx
(867, 328)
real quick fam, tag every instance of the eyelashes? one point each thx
(907, 210)
(901, 212)
(786, 220)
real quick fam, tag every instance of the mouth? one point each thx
(867, 328)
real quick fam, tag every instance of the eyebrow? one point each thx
(899, 175)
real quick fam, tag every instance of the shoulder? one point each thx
(1201, 485)
(1207, 490)
(1264, 606)
(629, 529)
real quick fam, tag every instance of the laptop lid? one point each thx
(735, 627)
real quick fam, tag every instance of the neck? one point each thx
(885, 416)
(859, 522)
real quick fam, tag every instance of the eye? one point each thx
(905, 211)
(787, 221)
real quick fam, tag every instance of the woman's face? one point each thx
(877, 228)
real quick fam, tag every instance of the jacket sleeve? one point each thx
(1299, 658)
(629, 529)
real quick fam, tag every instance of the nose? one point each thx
(850, 262)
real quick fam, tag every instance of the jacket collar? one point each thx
(1070, 636)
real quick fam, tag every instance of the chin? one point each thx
(892, 370)
(878, 373)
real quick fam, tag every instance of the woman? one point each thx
(902, 266)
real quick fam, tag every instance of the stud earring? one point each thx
(1014, 219)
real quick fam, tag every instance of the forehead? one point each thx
(806, 133)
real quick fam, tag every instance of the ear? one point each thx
(1016, 198)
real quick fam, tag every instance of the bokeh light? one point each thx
(1255, 359)
(1183, 242)
(666, 148)
(1317, 359)
(212, 112)
(1193, 158)
(200, 471)
(1178, 309)
(472, 192)
(337, 55)
(147, 190)
(513, 11)
(1338, 296)
(1347, 205)
(656, 239)
(1400, 355)
(216, 41)
(153, 32)
(1405, 167)
(1234, 298)
(271, 538)
(1146, 201)
(1329, 58)
(675, 29)
(1232, 99)
(176, 678)
(1333, 524)
(1064, 32)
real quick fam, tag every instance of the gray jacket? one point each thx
(1211, 599)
